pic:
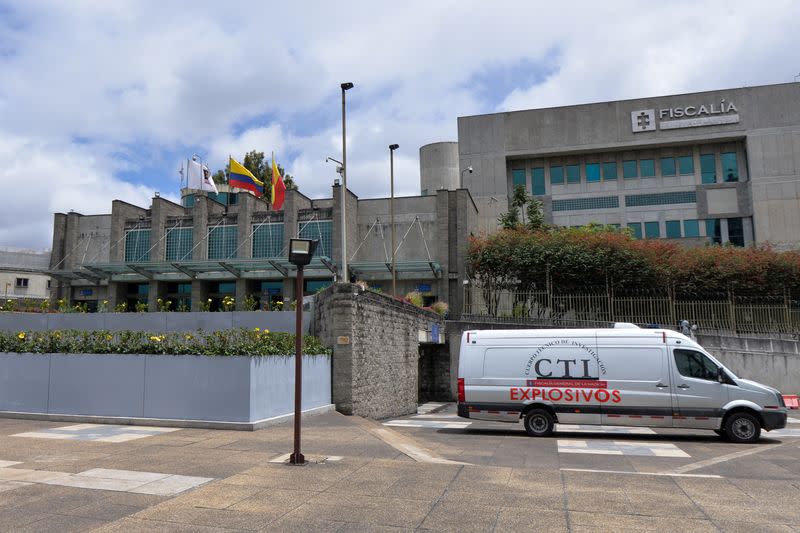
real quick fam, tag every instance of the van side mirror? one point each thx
(721, 377)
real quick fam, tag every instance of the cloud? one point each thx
(114, 94)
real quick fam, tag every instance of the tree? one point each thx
(535, 215)
(519, 199)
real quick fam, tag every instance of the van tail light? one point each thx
(461, 394)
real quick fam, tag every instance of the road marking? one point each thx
(3, 464)
(426, 408)
(791, 432)
(97, 432)
(793, 420)
(434, 424)
(603, 447)
(585, 428)
(723, 458)
(438, 416)
(668, 474)
(103, 479)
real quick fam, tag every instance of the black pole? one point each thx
(297, 458)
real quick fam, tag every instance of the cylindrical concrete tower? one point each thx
(438, 167)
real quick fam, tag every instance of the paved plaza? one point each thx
(426, 472)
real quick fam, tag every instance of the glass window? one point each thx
(714, 230)
(636, 228)
(735, 231)
(610, 170)
(673, 229)
(692, 364)
(691, 228)
(573, 174)
(222, 242)
(652, 230)
(22, 283)
(268, 240)
(321, 231)
(556, 175)
(577, 204)
(629, 170)
(518, 178)
(313, 286)
(592, 172)
(708, 168)
(179, 244)
(647, 168)
(686, 165)
(424, 192)
(537, 180)
(730, 168)
(188, 200)
(661, 198)
(137, 245)
(667, 166)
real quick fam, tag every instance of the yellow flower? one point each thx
(187, 337)
(279, 302)
(155, 338)
(109, 337)
(21, 335)
(266, 331)
(256, 329)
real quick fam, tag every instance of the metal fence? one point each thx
(730, 312)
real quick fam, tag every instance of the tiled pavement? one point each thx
(511, 482)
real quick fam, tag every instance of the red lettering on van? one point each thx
(616, 397)
(514, 393)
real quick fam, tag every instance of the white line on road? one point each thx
(723, 458)
(668, 474)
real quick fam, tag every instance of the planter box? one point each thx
(178, 390)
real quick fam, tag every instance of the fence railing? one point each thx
(729, 312)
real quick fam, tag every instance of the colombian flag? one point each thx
(242, 178)
(278, 187)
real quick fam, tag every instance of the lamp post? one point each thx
(345, 86)
(468, 169)
(300, 253)
(392, 148)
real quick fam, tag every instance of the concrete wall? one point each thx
(375, 341)
(154, 322)
(438, 167)
(184, 388)
(772, 361)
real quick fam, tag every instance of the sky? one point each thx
(103, 100)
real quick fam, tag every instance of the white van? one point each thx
(630, 377)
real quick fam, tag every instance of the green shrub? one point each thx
(218, 343)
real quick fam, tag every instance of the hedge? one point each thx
(254, 342)
(590, 258)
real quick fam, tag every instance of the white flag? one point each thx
(199, 177)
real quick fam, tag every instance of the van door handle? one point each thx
(683, 386)
(661, 386)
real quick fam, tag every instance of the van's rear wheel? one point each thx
(539, 423)
(742, 427)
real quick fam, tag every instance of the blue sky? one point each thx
(103, 100)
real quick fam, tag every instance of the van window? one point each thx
(632, 363)
(692, 364)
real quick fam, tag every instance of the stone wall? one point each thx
(375, 341)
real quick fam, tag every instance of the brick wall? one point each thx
(375, 341)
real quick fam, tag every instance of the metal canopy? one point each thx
(189, 270)
(383, 270)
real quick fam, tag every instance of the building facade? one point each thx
(23, 275)
(232, 244)
(720, 166)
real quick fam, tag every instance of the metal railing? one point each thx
(730, 312)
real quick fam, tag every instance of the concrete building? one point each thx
(23, 275)
(720, 166)
(232, 244)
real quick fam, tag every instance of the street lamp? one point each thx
(345, 86)
(300, 253)
(392, 148)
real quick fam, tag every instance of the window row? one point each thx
(677, 229)
(631, 200)
(267, 241)
(631, 169)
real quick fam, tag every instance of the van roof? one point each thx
(598, 332)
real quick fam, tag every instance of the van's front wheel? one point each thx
(742, 427)
(539, 423)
